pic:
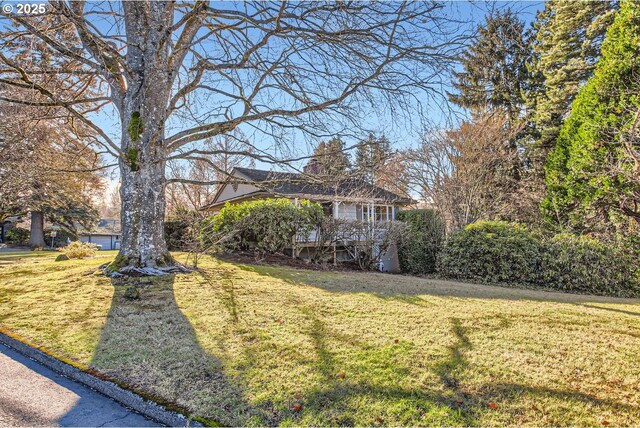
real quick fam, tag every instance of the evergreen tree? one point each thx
(371, 156)
(593, 173)
(330, 159)
(494, 67)
(566, 47)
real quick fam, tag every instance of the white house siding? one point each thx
(228, 192)
(346, 211)
(106, 242)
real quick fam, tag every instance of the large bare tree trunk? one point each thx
(37, 230)
(142, 173)
(143, 204)
(260, 66)
(143, 112)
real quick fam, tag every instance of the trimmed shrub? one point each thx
(491, 252)
(18, 236)
(586, 265)
(420, 241)
(269, 225)
(508, 254)
(79, 250)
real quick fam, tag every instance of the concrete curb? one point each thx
(147, 408)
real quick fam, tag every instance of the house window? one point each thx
(381, 213)
(375, 213)
(365, 213)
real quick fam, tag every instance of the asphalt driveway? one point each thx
(33, 395)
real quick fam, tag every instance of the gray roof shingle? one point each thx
(287, 183)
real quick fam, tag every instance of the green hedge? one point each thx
(267, 224)
(583, 264)
(493, 252)
(509, 254)
(420, 241)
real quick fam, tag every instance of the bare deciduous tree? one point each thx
(196, 181)
(48, 169)
(466, 173)
(178, 73)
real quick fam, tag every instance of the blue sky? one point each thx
(405, 130)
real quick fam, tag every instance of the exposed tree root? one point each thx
(144, 271)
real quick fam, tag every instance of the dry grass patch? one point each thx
(249, 345)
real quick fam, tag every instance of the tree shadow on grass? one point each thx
(150, 345)
(406, 288)
(621, 311)
(336, 402)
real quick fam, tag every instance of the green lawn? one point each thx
(247, 345)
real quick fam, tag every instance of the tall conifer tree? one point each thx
(566, 47)
(494, 67)
(593, 173)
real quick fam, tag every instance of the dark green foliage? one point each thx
(566, 47)
(268, 224)
(591, 174)
(371, 156)
(176, 233)
(18, 236)
(508, 254)
(131, 293)
(492, 252)
(329, 159)
(420, 241)
(583, 264)
(494, 66)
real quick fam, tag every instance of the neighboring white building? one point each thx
(347, 199)
(106, 235)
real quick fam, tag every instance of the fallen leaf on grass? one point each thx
(297, 407)
(341, 375)
(605, 422)
(493, 406)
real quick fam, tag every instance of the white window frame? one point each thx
(368, 212)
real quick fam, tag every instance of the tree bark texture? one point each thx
(36, 239)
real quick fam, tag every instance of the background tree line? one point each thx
(551, 130)
(549, 136)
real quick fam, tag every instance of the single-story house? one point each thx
(106, 235)
(349, 199)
